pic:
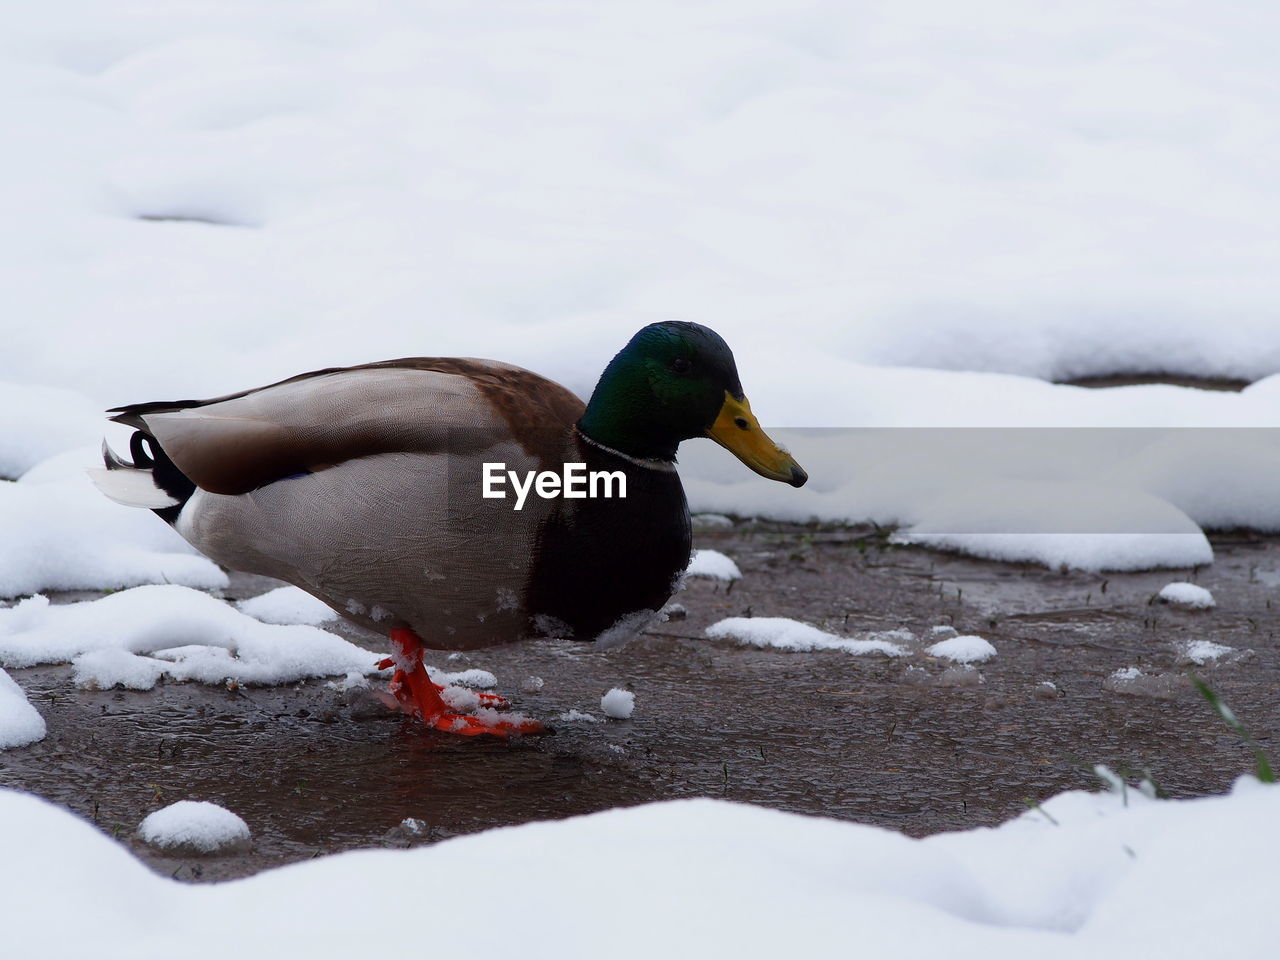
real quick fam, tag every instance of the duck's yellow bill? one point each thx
(737, 430)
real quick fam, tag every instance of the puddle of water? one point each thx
(316, 771)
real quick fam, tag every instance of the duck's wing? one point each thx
(450, 406)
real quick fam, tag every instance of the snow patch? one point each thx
(288, 605)
(1204, 651)
(781, 633)
(1187, 595)
(20, 722)
(963, 649)
(134, 637)
(578, 716)
(714, 565)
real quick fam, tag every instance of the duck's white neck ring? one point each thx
(666, 466)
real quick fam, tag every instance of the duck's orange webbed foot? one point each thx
(418, 695)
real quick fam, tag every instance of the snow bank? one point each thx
(194, 827)
(618, 703)
(1187, 595)
(714, 565)
(287, 605)
(964, 649)
(60, 533)
(37, 422)
(135, 637)
(20, 722)
(781, 633)
(1106, 875)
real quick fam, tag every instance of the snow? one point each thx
(1100, 874)
(134, 637)
(286, 605)
(781, 633)
(1205, 651)
(37, 422)
(898, 220)
(60, 533)
(579, 716)
(470, 677)
(714, 565)
(194, 826)
(963, 649)
(618, 704)
(1187, 595)
(20, 722)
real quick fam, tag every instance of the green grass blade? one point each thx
(1261, 765)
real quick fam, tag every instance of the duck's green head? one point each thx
(674, 381)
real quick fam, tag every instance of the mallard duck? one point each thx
(367, 486)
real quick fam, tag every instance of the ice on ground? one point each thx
(782, 633)
(960, 675)
(20, 722)
(963, 649)
(194, 826)
(60, 533)
(134, 637)
(1105, 874)
(1187, 595)
(1132, 680)
(618, 704)
(288, 605)
(714, 565)
(944, 630)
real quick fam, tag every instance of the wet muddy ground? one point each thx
(902, 743)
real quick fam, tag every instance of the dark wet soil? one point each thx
(901, 743)
(1225, 384)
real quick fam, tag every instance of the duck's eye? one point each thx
(681, 365)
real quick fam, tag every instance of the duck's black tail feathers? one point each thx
(150, 480)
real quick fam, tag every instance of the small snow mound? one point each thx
(618, 703)
(532, 685)
(194, 826)
(1187, 595)
(968, 649)
(20, 722)
(782, 633)
(288, 605)
(1201, 652)
(714, 565)
(942, 630)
